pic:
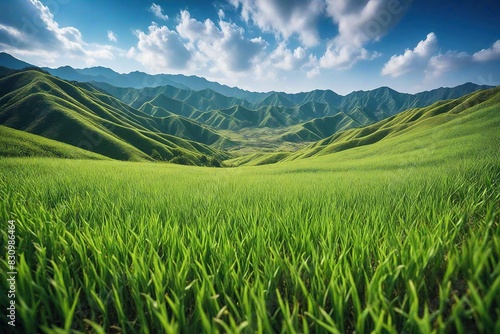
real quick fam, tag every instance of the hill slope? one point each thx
(320, 128)
(483, 106)
(80, 115)
(198, 94)
(279, 110)
(415, 130)
(6, 60)
(16, 143)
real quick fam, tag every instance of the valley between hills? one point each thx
(200, 126)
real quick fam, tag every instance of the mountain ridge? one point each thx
(191, 82)
(79, 115)
(416, 122)
(277, 121)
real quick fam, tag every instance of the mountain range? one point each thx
(186, 119)
(80, 115)
(473, 115)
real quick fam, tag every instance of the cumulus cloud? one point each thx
(343, 57)
(112, 37)
(160, 49)
(449, 61)
(313, 72)
(158, 12)
(224, 47)
(284, 17)
(425, 57)
(412, 59)
(30, 29)
(288, 60)
(197, 46)
(490, 54)
(361, 21)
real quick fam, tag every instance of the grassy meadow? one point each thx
(399, 236)
(391, 228)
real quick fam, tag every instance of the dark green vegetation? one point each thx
(278, 109)
(387, 222)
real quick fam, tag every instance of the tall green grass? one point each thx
(323, 245)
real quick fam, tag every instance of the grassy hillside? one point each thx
(280, 110)
(320, 128)
(398, 236)
(80, 115)
(203, 100)
(450, 121)
(389, 228)
(16, 143)
(479, 110)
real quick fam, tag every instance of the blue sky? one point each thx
(262, 45)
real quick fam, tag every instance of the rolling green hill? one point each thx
(203, 100)
(477, 111)
(172, 121)
(280, 110)
(158, 107)
(365, 107)
(16, 143)
(82, 116)
(320, 128)
(474, 115)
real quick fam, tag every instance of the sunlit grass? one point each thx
(399, 236)
(328, 244)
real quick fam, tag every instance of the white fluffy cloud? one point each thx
(160, 49)
(426, 58)
(158, 11)
(41, 36)
(219, 50)
(484, 55)
(286, 59)
(412, 59)
(359, 22)
(223, 48)
(451, 60)
(343, 57)
(284, 17)
(196, 46)
(112, 37)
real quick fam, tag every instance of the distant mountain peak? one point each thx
(8, 61)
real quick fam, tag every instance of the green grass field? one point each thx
(390, 228)
(369, 239)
